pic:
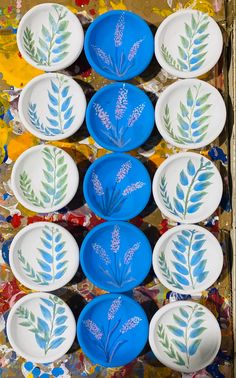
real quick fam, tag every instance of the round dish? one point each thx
(107, 328)
(112, 261)
(190, 114)
(45, 37)
(119, 45)
(184, 336)
(120, 117)
(52, 106)
(187, 259)
(41, 327)
(188, 43)
(187, 187)
(41, 177)
(44, 256)
(117, 187)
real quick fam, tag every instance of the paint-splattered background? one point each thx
(14, 74)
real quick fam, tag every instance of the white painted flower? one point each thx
(115, 239)
(114, 308)
(131, 188)
(130, 253)
(97, 185)
(130, 324)
(100, 251)
(123, 171)
(93, 328)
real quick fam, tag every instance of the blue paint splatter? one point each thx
(5, 196)
(28, 366)
(57, 371)
(216, 153)
(5, 250)
(36, 372)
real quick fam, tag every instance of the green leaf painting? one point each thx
(52, 45)
(192, 48)
(48, 329)
(53, 185)
(192, 118)
(181, 339)
(51, 262)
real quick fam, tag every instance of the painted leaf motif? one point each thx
(199, 268)
(190, 168)
(194, 347)
(180, 268)
(184, 313)
(179, 206)
(179, 192)
(202, 276)
(46, 313)
(198, 245)
(56, 343)
(183, 240)
(61, 319)
(205, 176)
(179, 321)
(176, 331)
(196, 332)
(183, 178)
(60, 310)
(189, 98)
(60, 330)
(46, 267)
(47, 302)
(179, 246)
(40, 341)
(197, 257)
(183, 280)
(193, 208)
(181, 346)
(197, 323)
(179, 257)
(43, 326)
(196, 197)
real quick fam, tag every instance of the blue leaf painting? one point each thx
(61, 113)
(187, 332)
(45, 328)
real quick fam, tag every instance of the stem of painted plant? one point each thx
(189, 267)
(59, 107)
(52, 325)
(189, 190)
(54, 177)
(53, 270)
(186, 337)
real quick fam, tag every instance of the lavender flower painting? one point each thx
(110, 336)
(116, 123)
(121, 57)
(110, 199)
(115, 261)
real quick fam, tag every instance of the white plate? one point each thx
(44, 178)
(44, 256)
(188, 43)
(41, 327)
(52, 106)
(46, 37)
(190, 114)
(187, 187)
(184, 336)
(187, 259)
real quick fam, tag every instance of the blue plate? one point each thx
(117, 187)
(120, 117)
(113, 261)
(112, 330)
(119, 45)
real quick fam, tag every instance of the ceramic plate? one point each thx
(44, 256)
(117, 187)
(44, 178)
(187, 187)
(52, 106)
(46, 34)
(112, 261)
(120, 117)
(184, 336)
(112, 330)
(41, 327)
(190, 114)
(187, 259)
(119, 45)
(188, 43)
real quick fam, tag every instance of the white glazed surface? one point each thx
(169, 33)
(213, 256)
(23, 340)
(32, 162)
(35, 18)
(30, 242)
(172, 168)
(176, 94)
(210, 337)
(36, 92)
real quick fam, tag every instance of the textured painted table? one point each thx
(14, 74)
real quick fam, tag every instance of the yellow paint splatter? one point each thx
(5, 131)
(20, 143)
(102, 7)
(162, 12)
(30, 375)
(118, 6)
(201, 5)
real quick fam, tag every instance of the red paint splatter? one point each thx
(34, 219)
(81, 2)
(164, 226)
(9, 9)
(86, 73)
(16, 220)
(10, 293)
(19, 54)
(92, 12)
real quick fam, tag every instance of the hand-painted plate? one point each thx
(184, 336)
(44, 256)
(46, 36)
(187, 259)
(112, 330)
(119, 45)
(41, 327)
(120, 117)
(112, 261)
(44, 178)
(52, 106)
(187, 187)
(117, 187)
(188, 43)
(190, 114)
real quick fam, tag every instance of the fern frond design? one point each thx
(51, 46)
(186, 328)
(28, 192)
(190, 189)
(60, 116)
(193, 45)
(48, 328)
(29, 271)
(166, 272)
